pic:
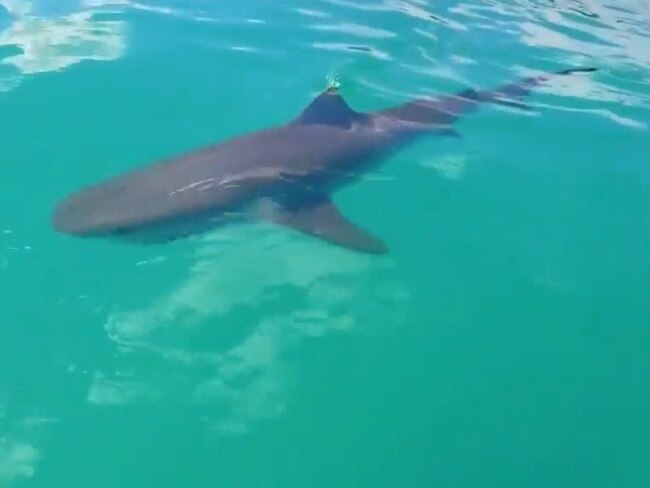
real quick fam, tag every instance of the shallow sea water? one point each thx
(503, 341)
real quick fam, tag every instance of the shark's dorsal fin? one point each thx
(329, 108)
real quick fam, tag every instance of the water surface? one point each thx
(502, 342)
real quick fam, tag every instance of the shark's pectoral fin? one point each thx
(320, 218)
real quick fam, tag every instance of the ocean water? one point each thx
(504, 340)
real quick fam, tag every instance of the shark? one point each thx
(284, 174)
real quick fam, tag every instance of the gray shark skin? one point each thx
(284, 174)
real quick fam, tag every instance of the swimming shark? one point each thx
(285, 174)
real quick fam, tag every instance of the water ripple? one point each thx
(355, 29)
(339, 46)
(19, 457)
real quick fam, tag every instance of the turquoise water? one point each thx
(504, 340)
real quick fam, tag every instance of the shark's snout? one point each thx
(81, 214)
(91, 211)
(69, 217)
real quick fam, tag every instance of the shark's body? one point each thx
(285, 174)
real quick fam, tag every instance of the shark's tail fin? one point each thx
(446, 109)
(512, 94)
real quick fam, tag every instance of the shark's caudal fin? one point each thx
(445, 110)
(512, 93)
(320, 218)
